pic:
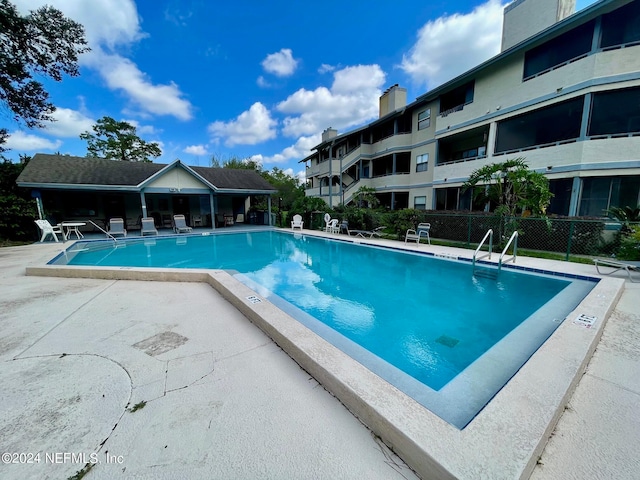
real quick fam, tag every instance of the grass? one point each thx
(82, 472)
(138, 406)
(4, 242)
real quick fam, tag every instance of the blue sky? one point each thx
(249, 78)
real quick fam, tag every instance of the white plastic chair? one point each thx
(332, 226)
(297, 222)
(48, 229)
(421, 232)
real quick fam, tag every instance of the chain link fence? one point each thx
(567, 236)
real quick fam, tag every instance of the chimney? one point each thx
(328, 134)
(525, 18)
(392, 99)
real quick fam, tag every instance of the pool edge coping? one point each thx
(406, 426)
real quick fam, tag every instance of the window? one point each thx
(455, 100)
(615, 112)
(545, 126)
(601, 193)
(558, 51)
(422, 162)
(621, 26)
(424, 119)
(420, 203)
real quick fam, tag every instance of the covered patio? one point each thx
(92, 191)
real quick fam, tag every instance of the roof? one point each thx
(45, 170)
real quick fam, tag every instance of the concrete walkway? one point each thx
(598, 436)
(221, 400)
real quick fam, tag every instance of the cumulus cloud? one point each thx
(68, 123)
(28, 142)
(122, 74)
(262, 82)
(351, 100)
(249, 128)
(297, 151)
(451, 45)
(196, 150)
(281, 64)
(109, 25)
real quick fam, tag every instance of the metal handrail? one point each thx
(514, 236)
(475, 254)
(103, 230)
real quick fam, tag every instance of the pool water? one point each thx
(426, 317)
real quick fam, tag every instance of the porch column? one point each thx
(269, 209)
(575, 196)
(143, 202)
(212, 204)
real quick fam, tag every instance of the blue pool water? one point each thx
(398, 313)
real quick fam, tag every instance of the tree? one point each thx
(512, 187)
(118, 141)
(289, 188)
(17, 208)
(44, 42)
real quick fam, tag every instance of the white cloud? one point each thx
(250, 127)
(324, 68)
(297, 151)
(451, 45)
(113, 24)
(352, 100)
(122, 74)
(22, 141)
(281, 64)
(107, 22)
(262, 82)
(196, 150)
(69, 123)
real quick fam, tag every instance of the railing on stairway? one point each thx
(514, 238)
(484, 239)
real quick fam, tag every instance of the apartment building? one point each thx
(566, 99)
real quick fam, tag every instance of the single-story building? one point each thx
(68, 188)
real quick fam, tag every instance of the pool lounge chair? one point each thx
(419, 233)
(148, 227)
(367, 233)
(616, 265)
(116, 227)
(297, 222)
(180, 224)
(48, 229)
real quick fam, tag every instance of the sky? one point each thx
(249, 78)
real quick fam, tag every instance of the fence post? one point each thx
(468, 230)
(571, 223)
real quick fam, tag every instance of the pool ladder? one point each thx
(484, 272)
(491, 272)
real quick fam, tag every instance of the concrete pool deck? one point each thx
(223, 401)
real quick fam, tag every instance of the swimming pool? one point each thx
(428, 326)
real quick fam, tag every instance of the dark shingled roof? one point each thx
(63, 169)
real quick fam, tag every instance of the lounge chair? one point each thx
(240, 218)
(48, 229)
(180, 224)
(297, 222)
(616, 265)
(116, 227)
(148, 227)
(421, 232)
(367, 233)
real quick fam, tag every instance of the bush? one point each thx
(630, 245)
